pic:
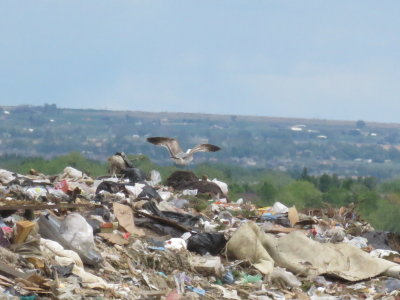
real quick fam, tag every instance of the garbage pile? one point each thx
(71, 236)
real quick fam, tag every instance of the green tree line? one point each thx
(377, 202)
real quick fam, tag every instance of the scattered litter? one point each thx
(130, 237)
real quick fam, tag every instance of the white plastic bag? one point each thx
(155, 177)
(222, 185)
(6, 176)
(76, 231)
(279, 208)
(72, 173)
(34, 193)
(358, 241)
(175, 244)
(135, 190)
(189, 192)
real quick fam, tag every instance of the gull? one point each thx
(180, 157)
(118, 162)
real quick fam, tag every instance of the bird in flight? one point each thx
(176, 152)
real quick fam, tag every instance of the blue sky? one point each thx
(311, 59)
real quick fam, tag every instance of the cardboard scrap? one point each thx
(23, 230)
(11, 272)
(113, 238)
(124, 215)
(281, 229)
(293, 215)
(4, 281)
(38, 280)
(36, 261)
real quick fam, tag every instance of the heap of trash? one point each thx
(71, 236)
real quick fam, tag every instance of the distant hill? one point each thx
(347, 148)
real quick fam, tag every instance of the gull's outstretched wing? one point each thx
(171, 144)
(204, 148)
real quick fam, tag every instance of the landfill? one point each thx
(127, 235)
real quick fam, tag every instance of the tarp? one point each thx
(302, 255)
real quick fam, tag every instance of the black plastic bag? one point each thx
(203, 243)
(183, 219)
(179, 180)
(134, 174)
(161, 229)
(96, 225)
(149, 193)
(280, 219)
(110, 186)
(102, 211)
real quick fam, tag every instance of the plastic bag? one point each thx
(161, 229)
(76, 231)
(284, 278)
(222, 185)
(180, 203)
(357, 241)
(184, 219)
(279, 208)
(203, 243)
(175, 244)
(281, 219)
(34, 193)
(165, 195)
(109, 186)
(155, 177)
(134, 174)
(189, 192)
(149, 193)
(72, 173)
(6, 176)
(49, 228)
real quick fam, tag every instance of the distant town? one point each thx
(346, 148)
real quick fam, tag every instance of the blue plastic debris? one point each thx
(156, 248)
(162, 274)
(31, 297)
(228, 278)
(196, 290)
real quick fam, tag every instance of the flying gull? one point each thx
(180, 157)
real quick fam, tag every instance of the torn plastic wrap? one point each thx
(281, 219)
(161, 229)
(138, 190)
(148, 192)
(184, 219)
(49, 228)
(166, 222)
